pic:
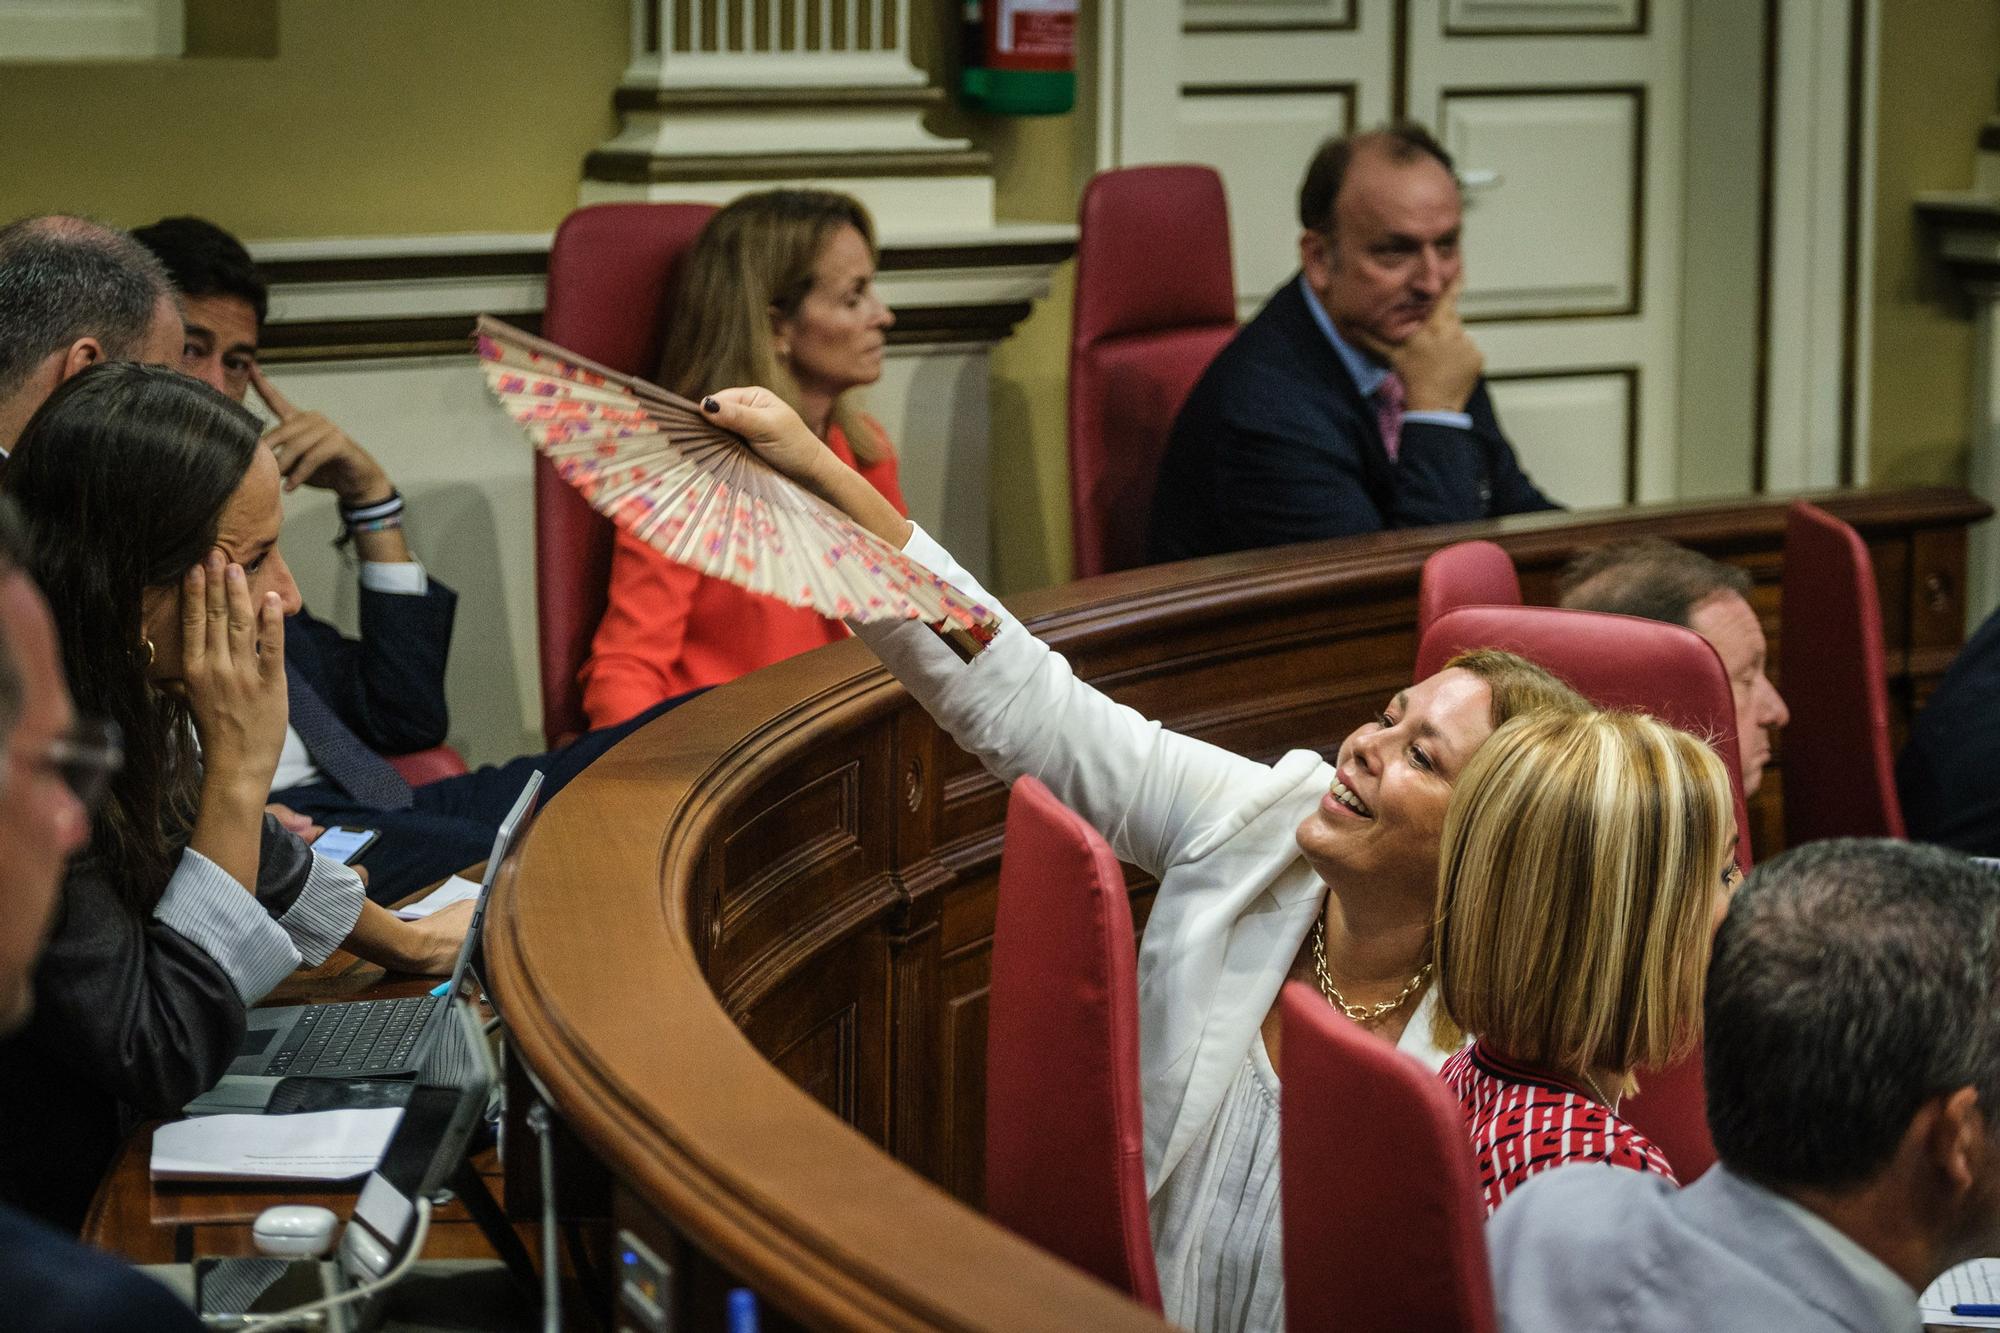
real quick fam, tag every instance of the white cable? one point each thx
(300, 1313)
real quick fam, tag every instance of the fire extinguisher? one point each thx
(1020, 56)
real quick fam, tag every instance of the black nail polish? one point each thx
(710, 405)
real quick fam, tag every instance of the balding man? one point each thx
(73, 293)
(1658, 580)
(1353, 402)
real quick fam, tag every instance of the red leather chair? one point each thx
(1155, 301)
(1383, 1222)
(1065, 1142)
(440, 761)
(1840, 774)
(1664, 670)
(1465, 574)
(610, 269)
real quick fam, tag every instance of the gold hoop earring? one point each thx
(147, 644)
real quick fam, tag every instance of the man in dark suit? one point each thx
(1353, 402)
(355, 699)
(47, 1280)
(1948, 776)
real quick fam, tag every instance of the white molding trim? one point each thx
(91, 29)
(932, 268)
(1806, 281)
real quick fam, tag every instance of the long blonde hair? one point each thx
(1576, 883)
(756, 256)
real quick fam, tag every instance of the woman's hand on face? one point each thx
(233, 668)
(774, 430)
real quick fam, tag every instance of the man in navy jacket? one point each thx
(1353, 402)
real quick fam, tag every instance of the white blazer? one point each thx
(1236, 896)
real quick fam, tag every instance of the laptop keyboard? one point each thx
(364, 1037)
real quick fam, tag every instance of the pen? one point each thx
(1978, 1311)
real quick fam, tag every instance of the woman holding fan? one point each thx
(778, 290)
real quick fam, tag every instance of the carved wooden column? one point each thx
(724, 96)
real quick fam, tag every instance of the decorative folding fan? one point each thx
(650, 461)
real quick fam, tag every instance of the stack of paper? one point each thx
(454, 890)
(1975, 1283)
(315, 1145)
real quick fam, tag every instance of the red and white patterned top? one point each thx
(1525, 1120)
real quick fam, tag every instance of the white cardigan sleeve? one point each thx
(1019, 708)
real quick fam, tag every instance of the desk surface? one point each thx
(153, 1222)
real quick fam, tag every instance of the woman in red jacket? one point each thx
(778, 290)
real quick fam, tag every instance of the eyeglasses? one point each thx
(87, 758)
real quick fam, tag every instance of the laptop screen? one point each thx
(471, 964)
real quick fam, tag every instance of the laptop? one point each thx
(442, 1110)
(348, 1039)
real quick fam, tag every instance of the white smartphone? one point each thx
(344, 844)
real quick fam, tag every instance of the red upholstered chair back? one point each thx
(1840, 777)
(1065, 1142)
(1673, 674)
(1383, 1222)
(609, 273)
(421, 766)
(1155, 301)
(1465, 574)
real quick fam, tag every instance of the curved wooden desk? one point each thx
(746, 953)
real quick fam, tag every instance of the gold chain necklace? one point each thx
(1609, 1104)
(1359, 1013)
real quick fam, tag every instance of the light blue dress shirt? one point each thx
(1368, 376)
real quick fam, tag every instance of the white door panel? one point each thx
(1262, 187)
(1576, 433)
(1556, 232)
(1492, 18)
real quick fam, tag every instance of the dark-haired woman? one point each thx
(153, 519)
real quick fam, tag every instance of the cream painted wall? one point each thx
(1939, 77)
(375, 117)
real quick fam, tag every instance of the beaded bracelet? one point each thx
(378, 517)
(362, 514)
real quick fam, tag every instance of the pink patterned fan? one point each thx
(700, 496)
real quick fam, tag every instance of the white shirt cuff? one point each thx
(324, 913)
(1458, 420)
(226, 922)
(404, 577)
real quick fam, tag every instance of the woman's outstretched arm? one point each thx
(782, 440)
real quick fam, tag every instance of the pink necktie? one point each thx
(1389, 412)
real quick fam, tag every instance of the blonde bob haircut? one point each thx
(754, 262)
(1577, 876)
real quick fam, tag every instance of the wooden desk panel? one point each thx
(778, 900)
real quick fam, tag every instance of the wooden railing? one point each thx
(746, 953)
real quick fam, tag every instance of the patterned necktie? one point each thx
(349, 764)
(1389, 412)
